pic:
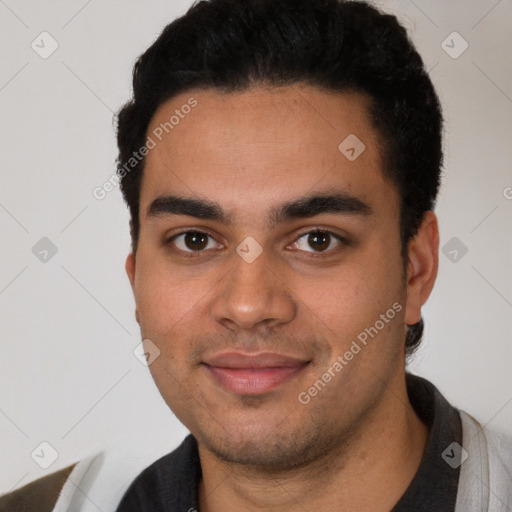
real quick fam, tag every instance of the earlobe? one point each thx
(422, 267)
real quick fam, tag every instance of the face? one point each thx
(268, 270)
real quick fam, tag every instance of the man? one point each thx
(283, 245)
(281, 162)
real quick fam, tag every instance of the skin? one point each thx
(358, 443)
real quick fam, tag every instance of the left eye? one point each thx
(319, 241)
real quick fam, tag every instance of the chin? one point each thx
(272, 450)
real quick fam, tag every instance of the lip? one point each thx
(253, 374)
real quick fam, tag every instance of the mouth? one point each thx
(253, 374)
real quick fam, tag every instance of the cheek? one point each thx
(350, 293)
(165, 301)
(166, 307)
(363, 312)
(168, 310)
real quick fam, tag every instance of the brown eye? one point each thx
(193, 241)
(319, 241)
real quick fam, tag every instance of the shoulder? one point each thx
(486, 469)
(486, 440)
(39, 495)
(108, 474)
(168, 483)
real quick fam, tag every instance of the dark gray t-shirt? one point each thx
(171, 483)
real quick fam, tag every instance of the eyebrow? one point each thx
(304, 207)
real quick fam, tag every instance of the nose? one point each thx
(253, 294)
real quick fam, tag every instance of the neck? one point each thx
(369, 471)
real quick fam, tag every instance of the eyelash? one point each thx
(311, 254)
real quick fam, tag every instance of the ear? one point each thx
(130, 272)
(422, 266)
(129, 266)
(130, 261)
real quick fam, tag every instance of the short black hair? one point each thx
(335, 45)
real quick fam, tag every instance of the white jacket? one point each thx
(485, 482)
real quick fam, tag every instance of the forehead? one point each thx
(252, 148)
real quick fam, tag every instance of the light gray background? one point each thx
(68, 375)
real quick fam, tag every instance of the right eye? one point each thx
(193, 242)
